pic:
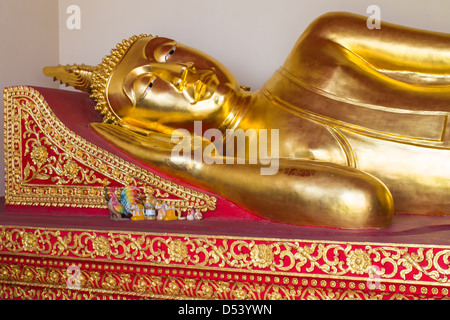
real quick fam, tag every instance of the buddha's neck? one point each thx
(233, 111)
(249, 111)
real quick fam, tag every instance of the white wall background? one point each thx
(251, 37)
(29, 40)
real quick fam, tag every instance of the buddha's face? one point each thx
(160, 81)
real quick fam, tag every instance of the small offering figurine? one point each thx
(116, 209)
(194, 214)
(131, 205)
(129, 197)
(170, 213)
(190, 215)
(149, 205)
(160, 208)
(198, 215)
(137, 212)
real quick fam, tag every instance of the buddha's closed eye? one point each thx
(150, 85)
(171, 52)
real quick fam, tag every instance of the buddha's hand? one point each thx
(154, 148)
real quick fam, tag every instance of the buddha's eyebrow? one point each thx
(148, 47)
(151, 46)
(131, 77)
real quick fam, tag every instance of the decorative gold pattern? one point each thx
(275, 261)
(37, 279)
(47, 164)
(77, 76)
(262, 255)
(358, 261)
(60, 168)
(40, 279)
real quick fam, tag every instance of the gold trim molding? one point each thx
(29, 282)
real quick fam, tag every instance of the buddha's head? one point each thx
(152, 82)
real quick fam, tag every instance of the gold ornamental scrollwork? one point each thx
(33, 282)
(59, 168)
(49, 165)
(262, 255)
(358, 261)
(428, 264)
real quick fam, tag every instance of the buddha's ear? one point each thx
(77, 76)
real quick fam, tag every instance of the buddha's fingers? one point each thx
(153, 148)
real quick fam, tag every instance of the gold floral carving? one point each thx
(274, 258)
(59, 168)
(262, 255)
(359, 261)
(177, 250)
(47, 164)
(50, 282)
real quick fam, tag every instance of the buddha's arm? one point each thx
(301, 192)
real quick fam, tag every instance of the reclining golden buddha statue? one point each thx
(360, 118)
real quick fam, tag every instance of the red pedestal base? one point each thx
(91, 257)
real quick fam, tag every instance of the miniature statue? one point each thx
(198, 215)
(129, 198)
(149, 205)
(170, 213)
(129, 205)
(116, 209)
(194, 214)
(190, 215)
(361, 117)
(137, 212)
(161, 210)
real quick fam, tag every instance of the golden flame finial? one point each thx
(77, 76)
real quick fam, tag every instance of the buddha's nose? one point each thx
(190, 76)
(179, 75)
